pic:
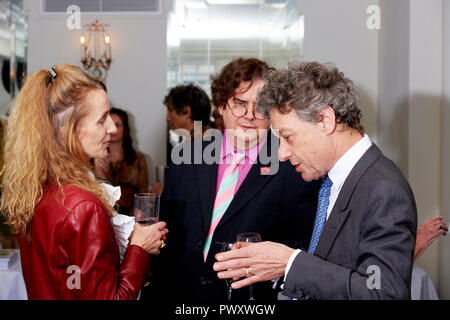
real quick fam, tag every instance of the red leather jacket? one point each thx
(73, 252)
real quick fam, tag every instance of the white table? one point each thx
(12, 285)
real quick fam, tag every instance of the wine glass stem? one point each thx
(250, 289)
(230, 290)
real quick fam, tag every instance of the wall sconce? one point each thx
(96, 49)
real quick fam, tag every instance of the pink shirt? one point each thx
(244, 166)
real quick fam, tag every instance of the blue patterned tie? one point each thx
(322, 206)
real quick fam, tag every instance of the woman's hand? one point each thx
(149, 238)
(427, 233)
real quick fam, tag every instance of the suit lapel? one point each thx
(206, 175)
(340, 211)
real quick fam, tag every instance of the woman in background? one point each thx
(61, 213)
(123, 166)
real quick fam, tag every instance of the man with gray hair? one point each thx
(364, 233)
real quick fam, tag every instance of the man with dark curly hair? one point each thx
(207, 204)
(186, 104)
(364, 233)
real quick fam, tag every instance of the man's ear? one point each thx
(327, 120)
(220, 109)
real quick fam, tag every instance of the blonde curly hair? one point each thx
(42, 143)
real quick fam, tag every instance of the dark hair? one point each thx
(190, 95)
(127, 142)
(230, 77)
(308, 87)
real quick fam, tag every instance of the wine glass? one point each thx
(249, 237)
(227, 246)
(146, 209)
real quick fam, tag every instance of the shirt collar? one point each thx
(345, 164)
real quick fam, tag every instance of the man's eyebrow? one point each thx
(239, 100)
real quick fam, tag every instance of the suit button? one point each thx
(200, 243)
(203, 280)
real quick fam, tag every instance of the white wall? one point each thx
(398, 71)
(425, 105)
(335, 31)
(393, 81)
(137, 76)
(444, 270)
(411, 119)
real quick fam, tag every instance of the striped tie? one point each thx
(224, 197)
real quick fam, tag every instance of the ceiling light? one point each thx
(195, 5)
(279, 5)
(235, 1)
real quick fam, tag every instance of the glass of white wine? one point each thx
(249, 237)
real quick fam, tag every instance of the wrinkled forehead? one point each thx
(281, 120)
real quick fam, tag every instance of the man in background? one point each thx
(186, 104)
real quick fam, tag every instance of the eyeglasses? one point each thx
(240, 108)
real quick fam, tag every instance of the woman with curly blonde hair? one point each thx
(60, 211)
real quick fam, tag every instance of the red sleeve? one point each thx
(90, 246)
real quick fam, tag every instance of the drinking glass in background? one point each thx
(249, 237)
(146, 208)
(227, 246)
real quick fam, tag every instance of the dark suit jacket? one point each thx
(371, 228)
(281, 207)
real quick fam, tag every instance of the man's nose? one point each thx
(283, 151)
(250, 115)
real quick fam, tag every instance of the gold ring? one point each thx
(163, 244)
(248, 274)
